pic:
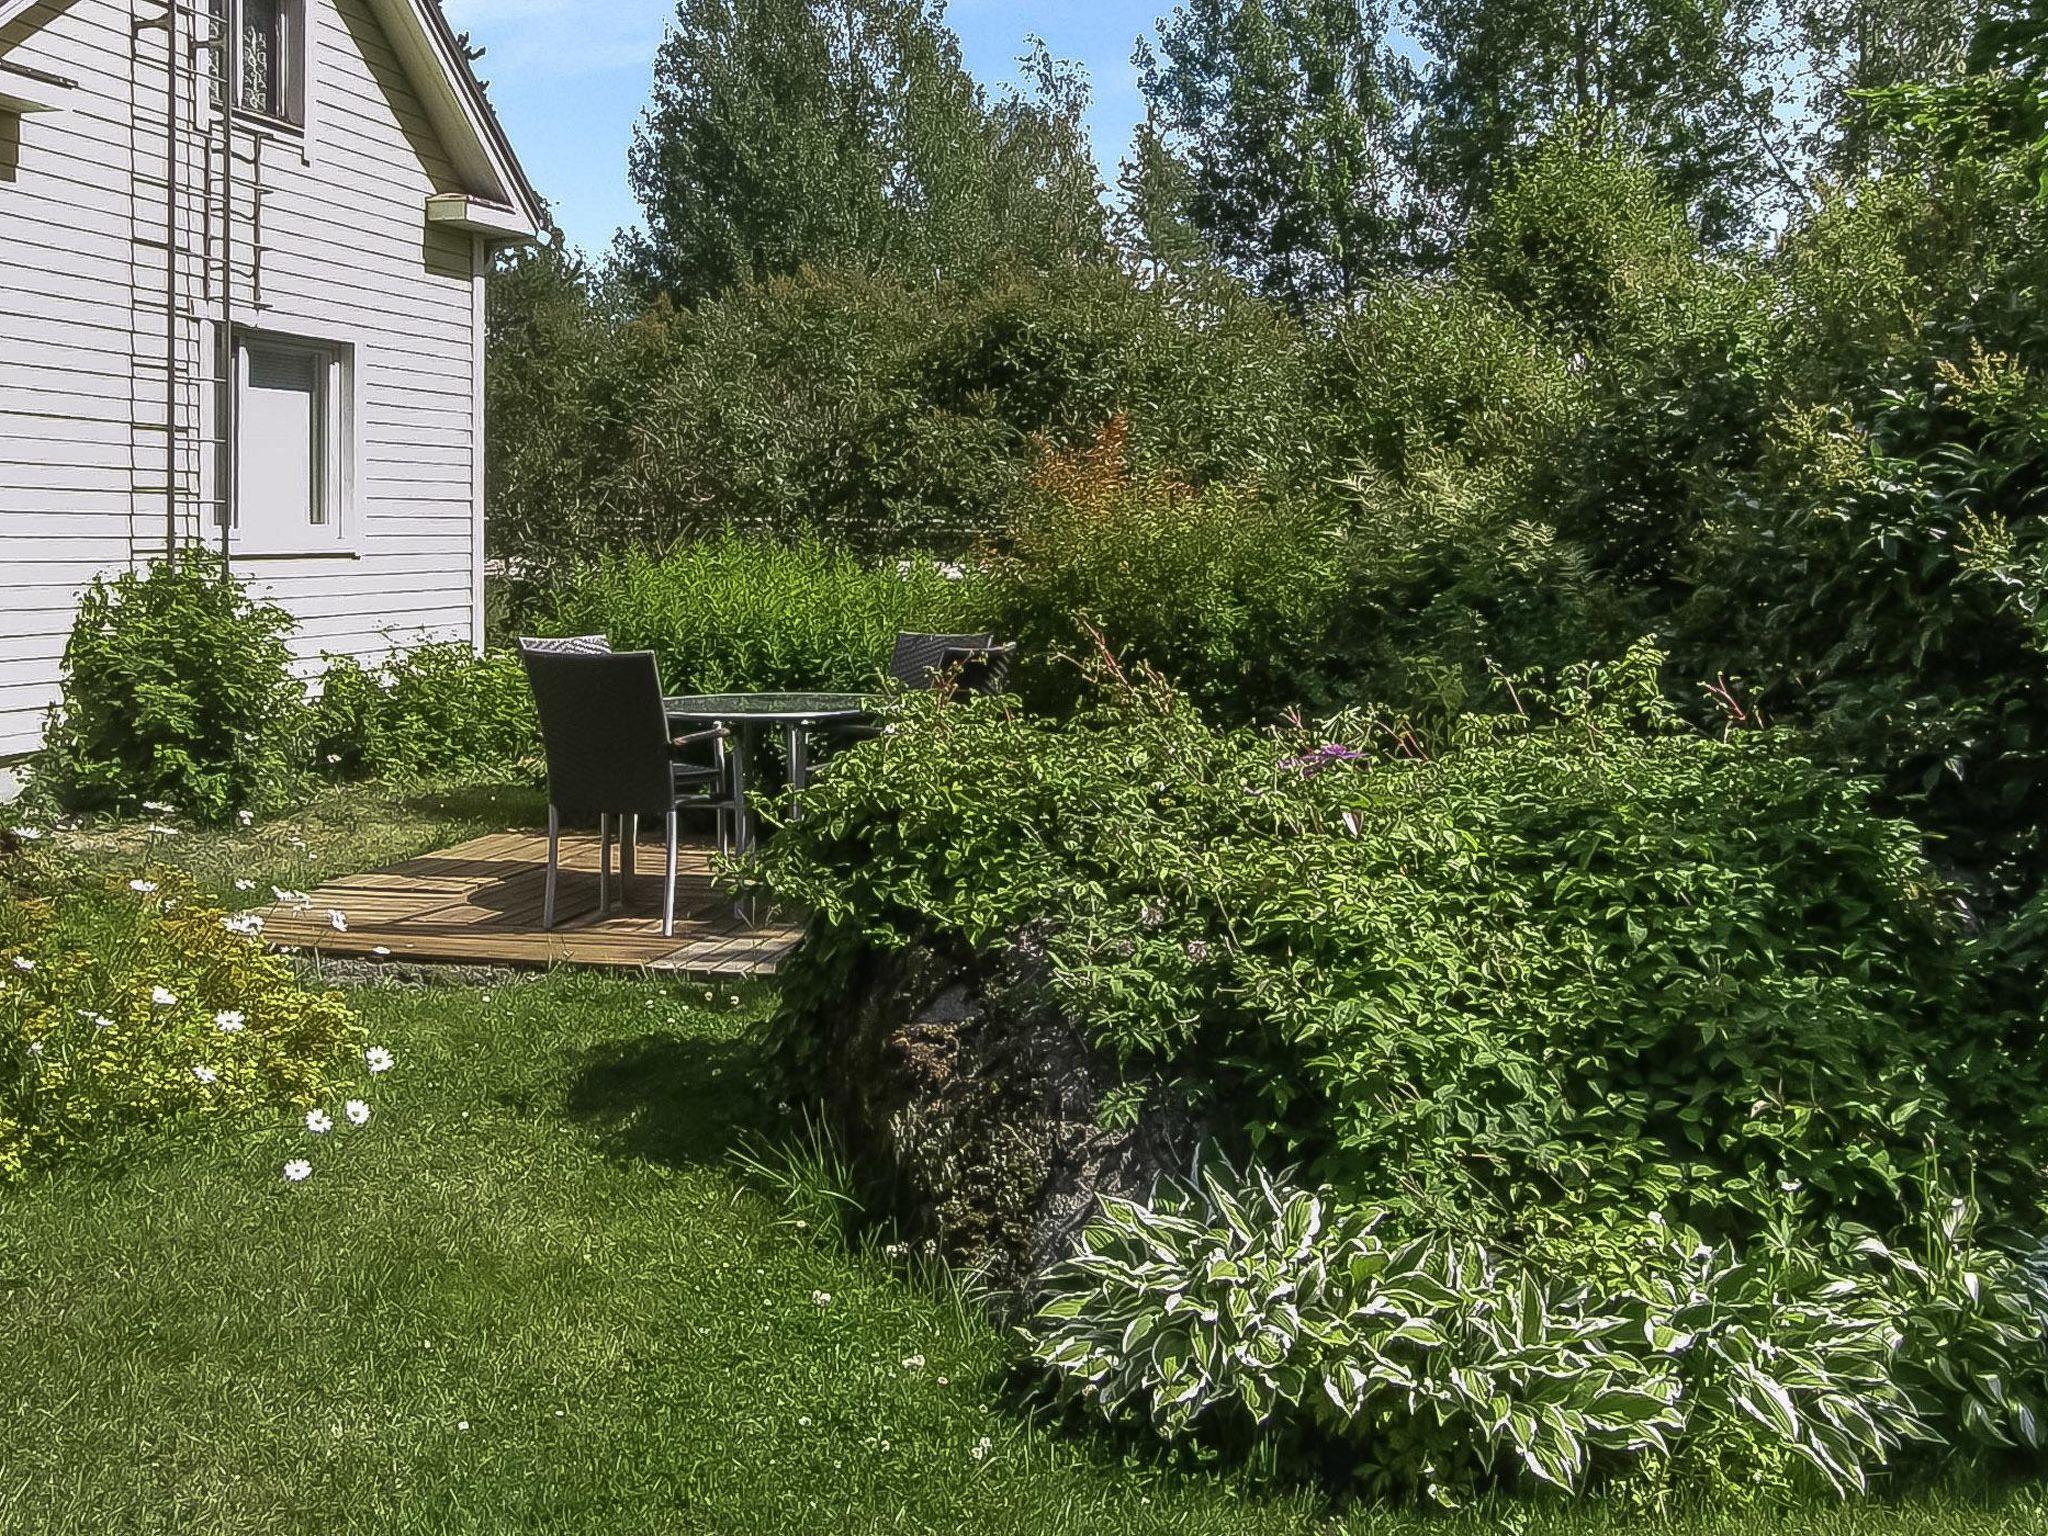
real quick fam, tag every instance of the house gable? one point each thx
(500, 202)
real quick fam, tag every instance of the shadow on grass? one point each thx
(513, 804)
(671, 1099)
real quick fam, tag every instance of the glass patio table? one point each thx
(747, 715)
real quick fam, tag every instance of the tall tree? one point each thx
(1849, 47)
(1684, 83)
(847, 132)
(1272, 132)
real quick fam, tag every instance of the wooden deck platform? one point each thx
(479, 903)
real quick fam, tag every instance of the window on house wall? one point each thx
(273, 53)
(292, 422)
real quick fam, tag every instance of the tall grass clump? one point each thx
(737, 612)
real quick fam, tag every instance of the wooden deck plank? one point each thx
(480, 902)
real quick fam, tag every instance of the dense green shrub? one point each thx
(178, 689)
(1234, 1307)
(882, 413)
(1601, 963)
(130, 1005)
(436, 708)
(750, 612)
(1235, 596)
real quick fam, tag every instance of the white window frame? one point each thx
(334, 485)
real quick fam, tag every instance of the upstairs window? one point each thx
(273, 51)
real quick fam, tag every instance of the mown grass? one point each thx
(539, 1293)
(341, 830)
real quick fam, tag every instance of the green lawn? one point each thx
(536, 1294)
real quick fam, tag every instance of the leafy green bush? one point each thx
(750, 612)
(1552, 971)
(1237, 1306)
(131, 1005)
(178, 689)
(881, 413)
(1233, 596)
(347, 727)
(436, 708)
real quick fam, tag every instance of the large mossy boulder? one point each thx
(987, 1118)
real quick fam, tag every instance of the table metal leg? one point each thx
(743, 818)
(797, 738)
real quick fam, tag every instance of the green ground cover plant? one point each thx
(135, 1003)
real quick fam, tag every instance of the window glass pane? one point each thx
(282, 452)
(263, 57)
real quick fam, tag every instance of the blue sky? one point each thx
(570, 77)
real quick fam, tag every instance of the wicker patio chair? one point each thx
(611, 754)
(978, 668)
(919, 660)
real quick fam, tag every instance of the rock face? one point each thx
(982, 1108)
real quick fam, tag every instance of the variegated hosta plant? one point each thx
(1237, 1304)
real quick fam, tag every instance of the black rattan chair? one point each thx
(978, 668)
(611, 754)
(919, 659)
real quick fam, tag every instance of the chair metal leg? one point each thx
(547, 897)
(604, 865)
(627, 838)
(668, 889)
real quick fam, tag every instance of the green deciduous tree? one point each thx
(848, 133)
(1273, 133)
(1685, 83)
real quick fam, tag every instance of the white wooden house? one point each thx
(242, 258)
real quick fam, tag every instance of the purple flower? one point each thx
(1326, 756)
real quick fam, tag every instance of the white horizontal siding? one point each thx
(346, 254)
(66, 467)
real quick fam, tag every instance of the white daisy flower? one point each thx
(99, 1021)
(357, 1111)
(981, 1449)
(319, 1122)
(27, 834)
(23, 963)
(163, 996)
(913, 1362)
(245, 885)
(246, 818)
(339, 919)
(158, 807)
(206, 1075)
(142, 887)
(297, 1171)
(156, 829)
(379, 950)
(821, 1298)
(287, 898)
(247, 924)
(35, 1047)
(231, 1021)
(377, 1059)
